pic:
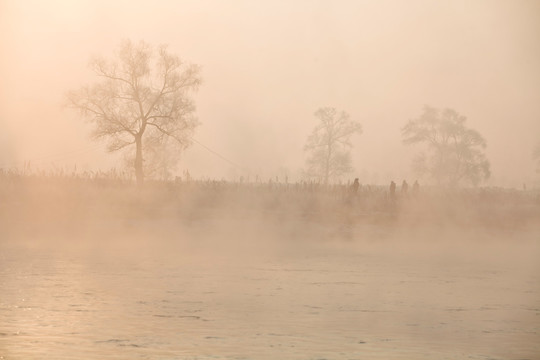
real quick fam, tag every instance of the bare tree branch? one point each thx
(455, 149)
(328, 145)
(139, 88)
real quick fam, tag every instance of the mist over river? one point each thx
(224, 288)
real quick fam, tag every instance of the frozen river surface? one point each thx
(162, 297)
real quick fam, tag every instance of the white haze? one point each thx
(102, 270)
(268, 65)
(98, 268)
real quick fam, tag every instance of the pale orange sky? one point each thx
(268, 66)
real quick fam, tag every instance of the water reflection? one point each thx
(323, 303)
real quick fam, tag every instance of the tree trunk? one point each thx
(139, 173)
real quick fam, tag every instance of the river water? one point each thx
(165, 295)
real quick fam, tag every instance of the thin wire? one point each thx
(94, 147)
(218, 154)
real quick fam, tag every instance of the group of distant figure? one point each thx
(404, 188)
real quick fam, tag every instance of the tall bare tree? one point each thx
(455, 152)
(329, 145)
(143, 97)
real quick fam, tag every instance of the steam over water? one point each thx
(242, 286)
(274, 99)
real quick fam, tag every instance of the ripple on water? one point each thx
(347, 310)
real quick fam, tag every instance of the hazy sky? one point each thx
(268, 66)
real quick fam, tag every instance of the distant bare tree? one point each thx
(143, 97)
(329, 145)
(455, 153)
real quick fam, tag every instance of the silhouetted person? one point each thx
(392, 190)
(415, 188)
(354, 187)
(404, 187)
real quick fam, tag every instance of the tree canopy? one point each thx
(455, 153)
(143, 97)
(329, 145)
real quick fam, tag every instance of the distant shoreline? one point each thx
(63, 201)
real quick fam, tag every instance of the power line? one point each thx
(218, 154)
(94, 147)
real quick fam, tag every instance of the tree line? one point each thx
(143, 102)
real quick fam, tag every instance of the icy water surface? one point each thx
(344, 300)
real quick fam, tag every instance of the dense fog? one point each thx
(312, 180)
(268, 66)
